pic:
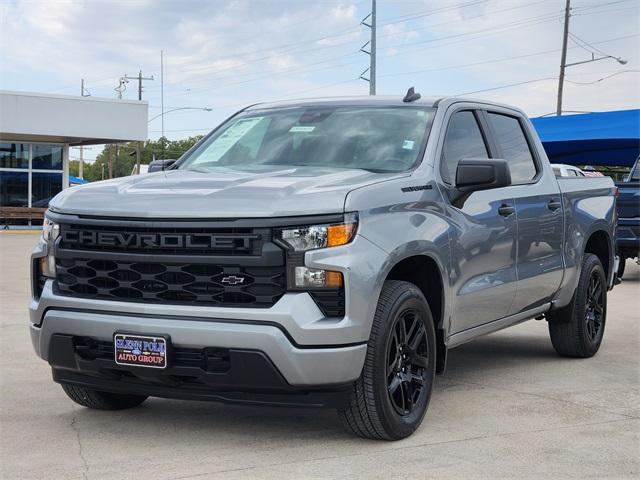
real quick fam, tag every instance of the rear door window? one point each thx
(514, 146)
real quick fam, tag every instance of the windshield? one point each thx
(380, 139)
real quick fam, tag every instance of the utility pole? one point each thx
(372, 49)
(81, 164)
(372, 72)
(140, 78)
(563, 58)
(162, 98)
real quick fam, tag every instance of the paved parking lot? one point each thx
(507, 408)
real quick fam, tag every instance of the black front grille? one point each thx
(171, 283)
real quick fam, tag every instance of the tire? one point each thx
(621, 265)
(101, 400)
(577, 329)
(390, 399)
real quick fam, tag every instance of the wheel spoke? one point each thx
(420, 361)
(401, 333)
(418, 379)
(414, 323)
(403, 399)
(407, 390)
(415, 341)
(395, 383)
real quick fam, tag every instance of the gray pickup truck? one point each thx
(324, 252)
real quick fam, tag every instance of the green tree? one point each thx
(123, 157)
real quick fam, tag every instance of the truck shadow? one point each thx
(185, 421)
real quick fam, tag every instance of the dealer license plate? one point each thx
(140, 350)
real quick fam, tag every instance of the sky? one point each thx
(223, 55)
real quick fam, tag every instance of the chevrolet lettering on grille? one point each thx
(83, 238)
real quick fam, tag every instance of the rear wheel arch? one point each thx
(599, 244)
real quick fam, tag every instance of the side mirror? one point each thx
(158, 165)
(475, 174)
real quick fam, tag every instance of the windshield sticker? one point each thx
(408, 144)
(302, 129)
(420, 113)
(228, 139)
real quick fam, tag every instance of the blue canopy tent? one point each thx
(603, 138)
(76, 180)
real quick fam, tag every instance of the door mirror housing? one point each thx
(475, 174)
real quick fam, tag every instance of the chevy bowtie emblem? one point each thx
(232, 280)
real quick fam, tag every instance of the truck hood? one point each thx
(273, 191)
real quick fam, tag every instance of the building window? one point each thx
(44, 186)
(14, 189)
(47, 157)
(14, 155)
(31, 174)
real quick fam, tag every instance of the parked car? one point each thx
(628, 231)
(325, 252)
(562, 170)
(159, 165)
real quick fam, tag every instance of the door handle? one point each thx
(506, 210)
(554, 204)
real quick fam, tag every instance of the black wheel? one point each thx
(577, 329)
(621, 266)
(101, 400)
(390, 398)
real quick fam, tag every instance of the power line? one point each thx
(498, 60)
(526, 82)
(305, 67)
(615, 74)
(460, 36)
(297, 47)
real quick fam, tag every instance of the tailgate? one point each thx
(628, 199)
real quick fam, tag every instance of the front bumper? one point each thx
(300, 366)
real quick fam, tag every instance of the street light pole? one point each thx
(205, 109)
(563, 61)
(140, 78)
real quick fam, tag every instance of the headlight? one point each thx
(311, 237)
(50, 232)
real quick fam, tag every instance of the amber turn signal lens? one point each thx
(333, 279)
(340, 234)
(44, 264)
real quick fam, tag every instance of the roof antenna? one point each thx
(411, 96)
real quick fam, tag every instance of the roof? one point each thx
(40, 117)
(380, 100)
(602, 138)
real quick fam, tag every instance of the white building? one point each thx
(36, 131)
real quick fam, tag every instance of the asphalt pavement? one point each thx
(508, 407)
